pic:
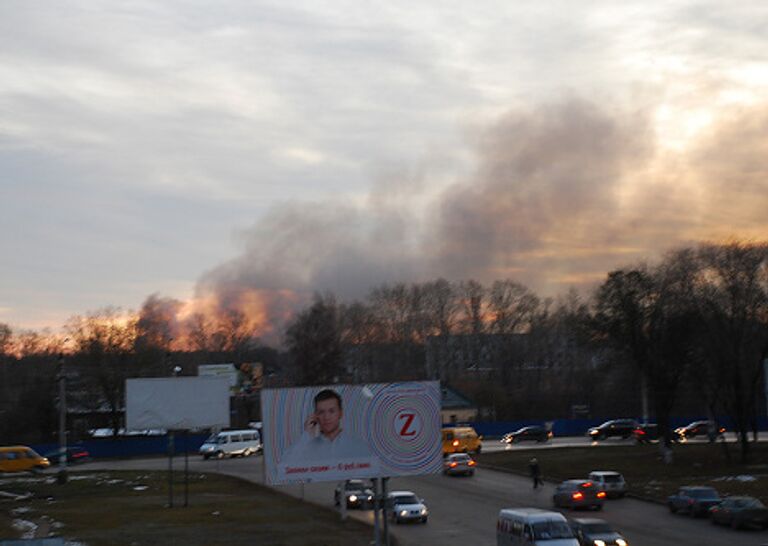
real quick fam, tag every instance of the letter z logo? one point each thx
(407, 424)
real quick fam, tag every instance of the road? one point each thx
(465, 509)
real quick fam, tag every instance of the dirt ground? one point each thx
(130, 508)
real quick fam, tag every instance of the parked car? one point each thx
(592, 531)
(616, 427)
(646, 433)
(21, 459)
(457, 464)
(357, 492)
(75, 455)
(740, 512)
(611, 482)
(406, 506)
(574, 494)
(534, 433)
(695, 500)
(709, 429)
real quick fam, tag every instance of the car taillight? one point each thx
(587, 484)
(639, 432)
(601, 494)
(578, 495)
(471, 463)
(453, 464)
(455, 443)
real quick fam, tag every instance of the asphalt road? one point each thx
(465, 509)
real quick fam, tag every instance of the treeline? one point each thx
(690, 332)
(699, 316)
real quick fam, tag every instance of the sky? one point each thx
(196, 149)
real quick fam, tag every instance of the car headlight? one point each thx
(403, 513)
(353, 498)
(621, 542)
(599, 543)
(423, 511)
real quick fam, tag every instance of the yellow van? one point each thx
(461, 440)
(21, 459)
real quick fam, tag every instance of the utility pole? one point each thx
(62, 475)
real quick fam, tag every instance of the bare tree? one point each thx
(314, 341)
(733, 303)
(648, 316)
(104, 354)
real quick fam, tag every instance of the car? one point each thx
(611, 482)
(534, 527)
(461, 440)
(646, 433)
(573, 494)
(75, 455)
(695, 500)
(357, 492)
(623, 428)
(739, 512)
(699, 428)
(231, 443)
(458, 464)
(534, 433)
(593, 531)
(21, 459)
(406, 506)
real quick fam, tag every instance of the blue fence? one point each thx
(133, 446)
(140, 446)
(579, 427)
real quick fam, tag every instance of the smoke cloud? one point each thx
(559, 195)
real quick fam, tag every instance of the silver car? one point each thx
(406, 506)
(458, 464)
(611, 482)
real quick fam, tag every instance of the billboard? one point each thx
(219, 370)
(337, 432)
(176, 403)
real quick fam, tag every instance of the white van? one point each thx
(533, 526)
(231, 443)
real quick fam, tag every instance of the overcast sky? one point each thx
(180, 148)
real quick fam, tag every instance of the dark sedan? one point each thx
(75, 454)
(357, 492)
(575, 494)
(591, 531)
(532, 433)
(699, 428)
(623, 428)
(740, 512)
(695, 500)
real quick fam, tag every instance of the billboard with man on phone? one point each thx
(336, 432)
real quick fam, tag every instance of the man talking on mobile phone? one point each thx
(324, 438)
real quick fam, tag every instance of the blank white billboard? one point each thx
(337, 432)
(177, 403)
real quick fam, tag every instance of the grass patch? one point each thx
(644, 470)
(129, 508)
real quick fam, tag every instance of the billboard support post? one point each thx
(376, 507)
(186, 468)
(384, 510)
(170, 469)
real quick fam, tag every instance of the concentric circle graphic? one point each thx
(405, 426)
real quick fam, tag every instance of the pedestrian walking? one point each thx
(535, 470)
